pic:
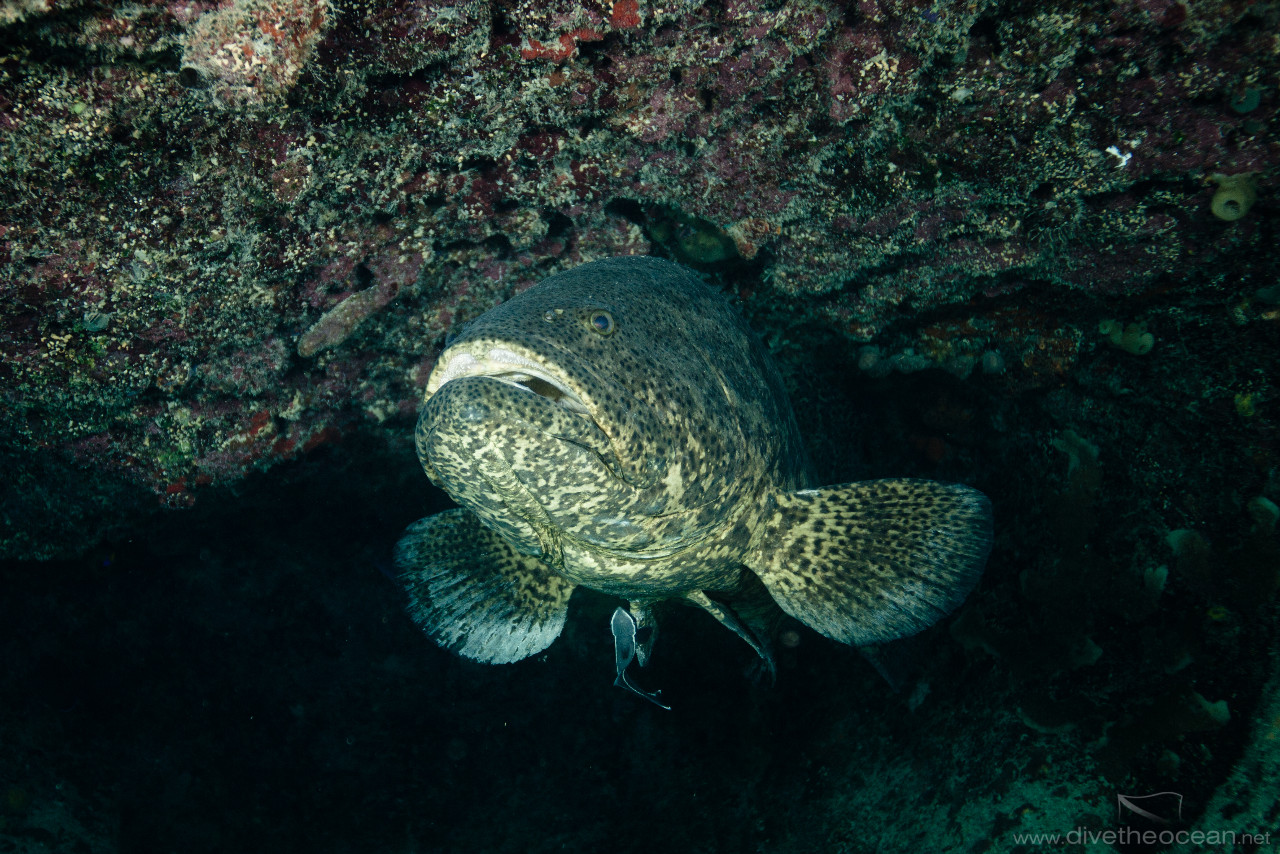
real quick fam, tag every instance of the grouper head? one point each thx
(611, 405)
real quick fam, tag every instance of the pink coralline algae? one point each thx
(554, 31)
(864, 67)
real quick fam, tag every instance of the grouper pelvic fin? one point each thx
(870, 562)
(741, 626)
(471, 592)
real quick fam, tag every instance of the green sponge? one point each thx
(1133, 338)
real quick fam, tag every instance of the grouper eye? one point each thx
(602, 322)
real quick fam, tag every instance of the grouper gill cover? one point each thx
(619, 427)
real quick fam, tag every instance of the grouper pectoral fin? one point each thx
(870, 562)
(471, 592)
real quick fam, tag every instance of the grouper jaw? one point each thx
(511, 368)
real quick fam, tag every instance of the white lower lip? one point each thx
(508, 367)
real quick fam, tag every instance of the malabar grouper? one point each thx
(619, 427)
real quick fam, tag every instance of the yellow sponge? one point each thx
(1234, 197)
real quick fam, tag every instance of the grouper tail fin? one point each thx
(471, 592)
(870, 562)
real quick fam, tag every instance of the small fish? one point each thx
(627, 647)
(619, 427)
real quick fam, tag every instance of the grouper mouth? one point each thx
(501, 364)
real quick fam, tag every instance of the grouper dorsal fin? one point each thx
(471, 592)
(871, 562)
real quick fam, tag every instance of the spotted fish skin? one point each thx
(689, 423)
(619, 427)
